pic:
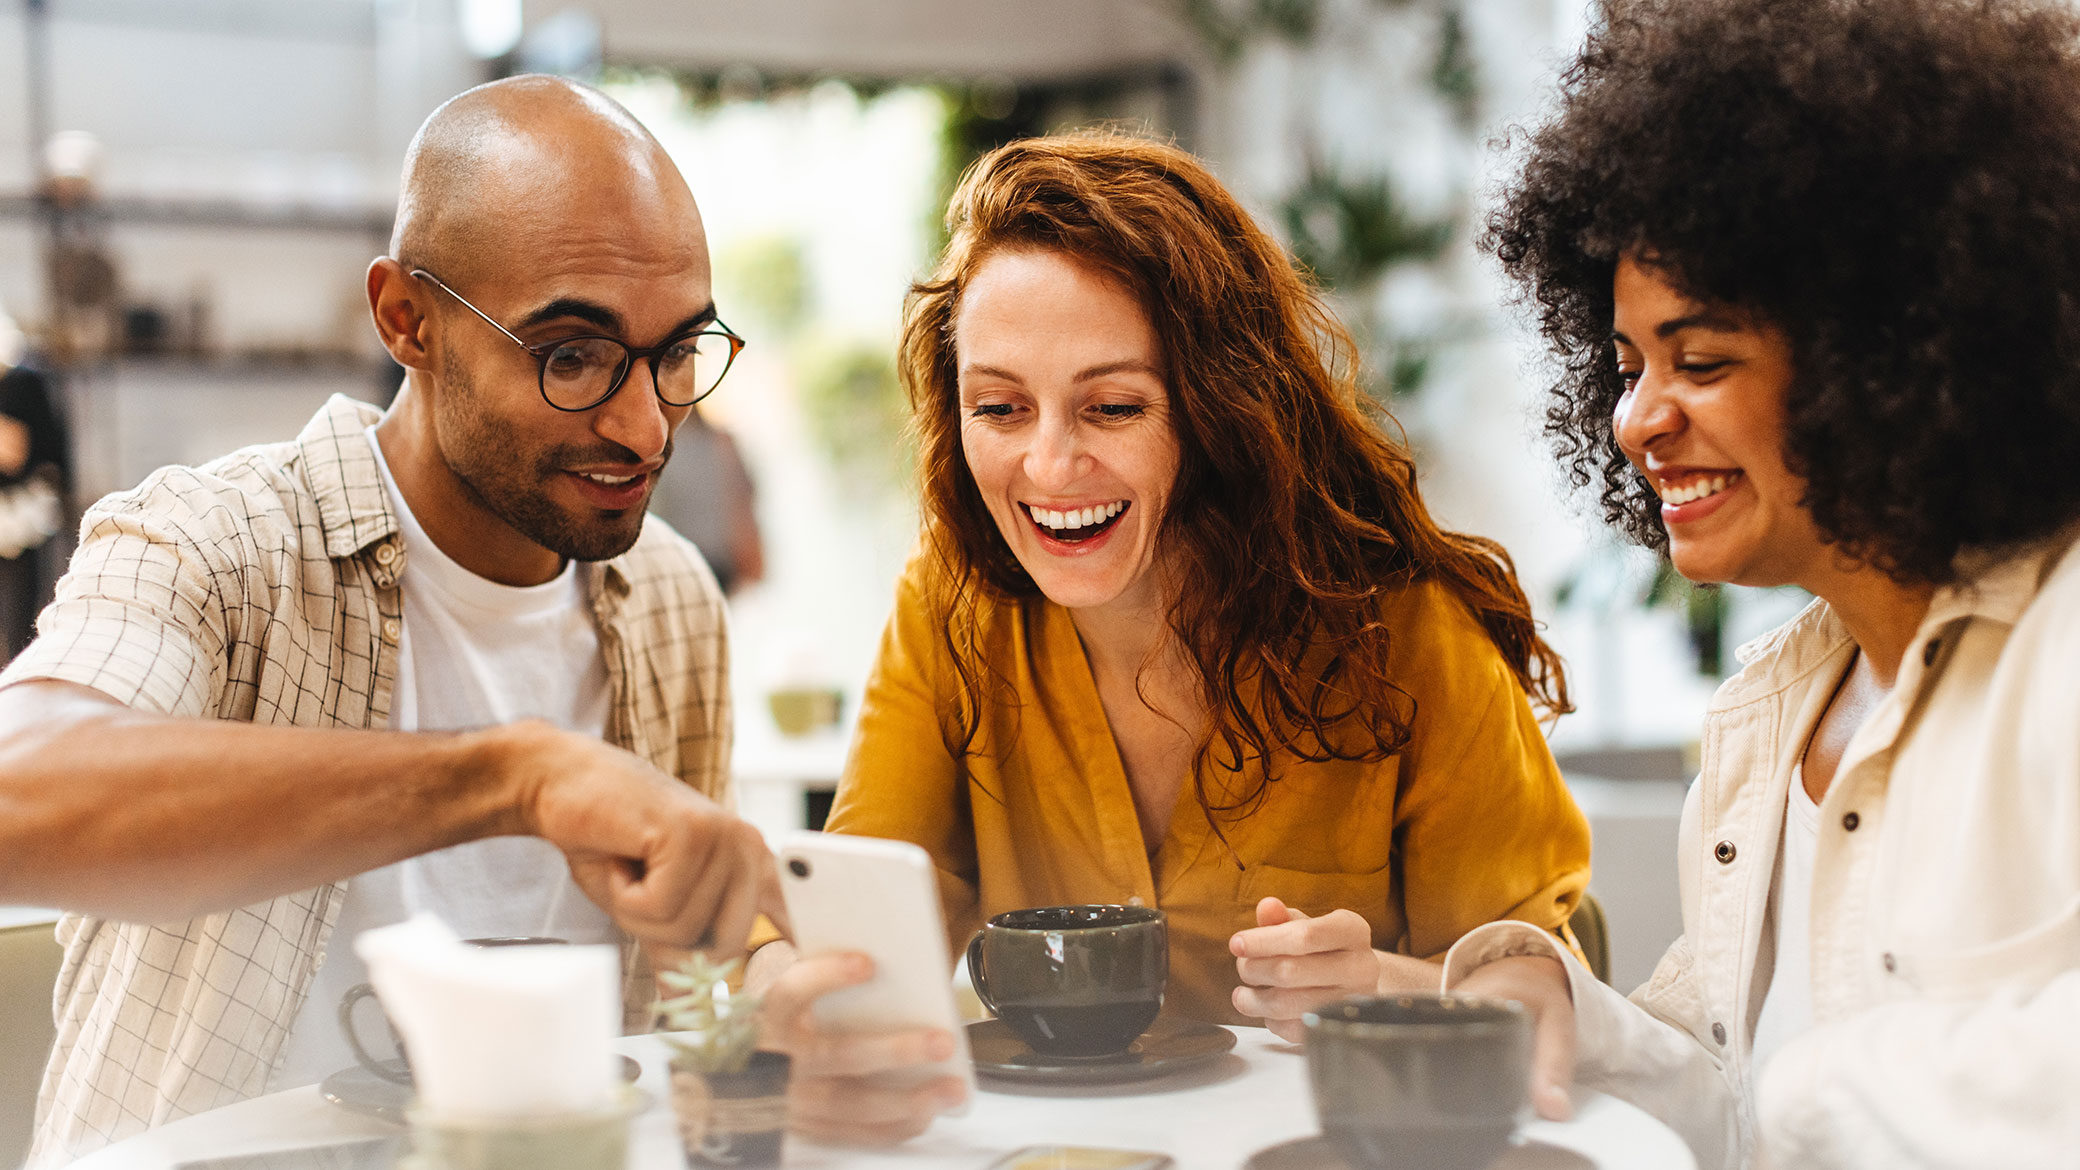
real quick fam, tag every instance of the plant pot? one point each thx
(733, 1119)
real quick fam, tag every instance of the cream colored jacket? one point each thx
(1946, 902)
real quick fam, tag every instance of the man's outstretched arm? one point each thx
(144, 817)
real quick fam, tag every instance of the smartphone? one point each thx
(879, 898)
(1081, 1158)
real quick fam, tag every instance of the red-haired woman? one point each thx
(1182, 632)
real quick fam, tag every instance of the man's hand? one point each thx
(1540, 984)
(668, 865)
(1291, 964)
(832, 1094)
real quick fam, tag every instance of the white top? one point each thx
(1787, 1009)
(473, 653)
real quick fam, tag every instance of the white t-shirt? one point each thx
(473, 653)
(1787, 1009)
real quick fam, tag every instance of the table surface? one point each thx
(1213, 1118)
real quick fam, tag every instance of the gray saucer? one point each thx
(1315, 1153)
(357, 1090)
(1168, 1046)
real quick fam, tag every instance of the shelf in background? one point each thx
(214, 213)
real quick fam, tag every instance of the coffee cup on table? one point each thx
(1073, 981)
(398, 1069)
(1439, 1081)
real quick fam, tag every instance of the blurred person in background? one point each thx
(1182, 632)
(707, 497)
(422, 659)
(1810, 269)
(35, 470)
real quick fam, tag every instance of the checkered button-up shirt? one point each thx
(263, 587)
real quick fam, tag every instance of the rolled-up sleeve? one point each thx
(140, 616)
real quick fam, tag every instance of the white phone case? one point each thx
(879, 898)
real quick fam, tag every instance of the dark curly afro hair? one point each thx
(1893, 183)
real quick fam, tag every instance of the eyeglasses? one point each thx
(579, 373)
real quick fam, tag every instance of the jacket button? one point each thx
(1719, 1033)
(385, 553)
(392, 629)
(1850, 821)
(1928, 652)
(1724, 853)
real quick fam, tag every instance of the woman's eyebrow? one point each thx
(1124, 366)
(1708, 322)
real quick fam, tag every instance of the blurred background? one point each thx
(190, 191)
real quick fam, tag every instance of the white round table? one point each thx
(1212, 1118)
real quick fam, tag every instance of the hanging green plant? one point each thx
(1453, 74)
(1349, 232)
(1227, 29)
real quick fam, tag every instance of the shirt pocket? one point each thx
(1315, 894)
(2026, 960)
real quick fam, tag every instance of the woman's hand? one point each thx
(1540, 984)
(1291, 964)
(831, 1096)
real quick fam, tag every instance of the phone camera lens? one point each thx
(798, 867)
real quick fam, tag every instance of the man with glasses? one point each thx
(428, 658)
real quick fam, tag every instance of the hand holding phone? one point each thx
(867, 1009)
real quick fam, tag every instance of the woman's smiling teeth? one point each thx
(1692, 488)
(1071, 524)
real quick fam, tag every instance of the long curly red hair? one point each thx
(1294, 513)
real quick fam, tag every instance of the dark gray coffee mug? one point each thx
(398, 1069)
(1073, 981)
(1439, 1082)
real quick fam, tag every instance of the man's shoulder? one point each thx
(265, 488)
(251, 488)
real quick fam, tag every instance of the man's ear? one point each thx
(401, 305)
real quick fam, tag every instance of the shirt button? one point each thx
(1724, 852)
(1928, 652)
(1719, 1033)
(392, 628)
(1891, 964)
(1850, 821)
(385, 553)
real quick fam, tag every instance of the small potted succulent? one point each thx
(730, 1097)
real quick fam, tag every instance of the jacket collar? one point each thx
(1994, 584)
(355, 508)
(2000, 583)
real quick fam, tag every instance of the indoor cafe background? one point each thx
(190, 191)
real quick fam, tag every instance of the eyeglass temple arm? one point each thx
(443, 286)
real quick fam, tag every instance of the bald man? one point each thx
(430, 658)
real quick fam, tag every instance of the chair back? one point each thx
(1592, 933)
(29, 958)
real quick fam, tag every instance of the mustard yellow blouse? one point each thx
(1468, 825)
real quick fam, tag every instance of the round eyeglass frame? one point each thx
(541, 352)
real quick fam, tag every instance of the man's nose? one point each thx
(635, 417)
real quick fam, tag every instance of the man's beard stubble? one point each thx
(511, 486)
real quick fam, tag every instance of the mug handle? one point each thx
(975, 976)
(394, 1071)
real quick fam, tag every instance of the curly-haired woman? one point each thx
(1811, 269)
(1183, 632)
